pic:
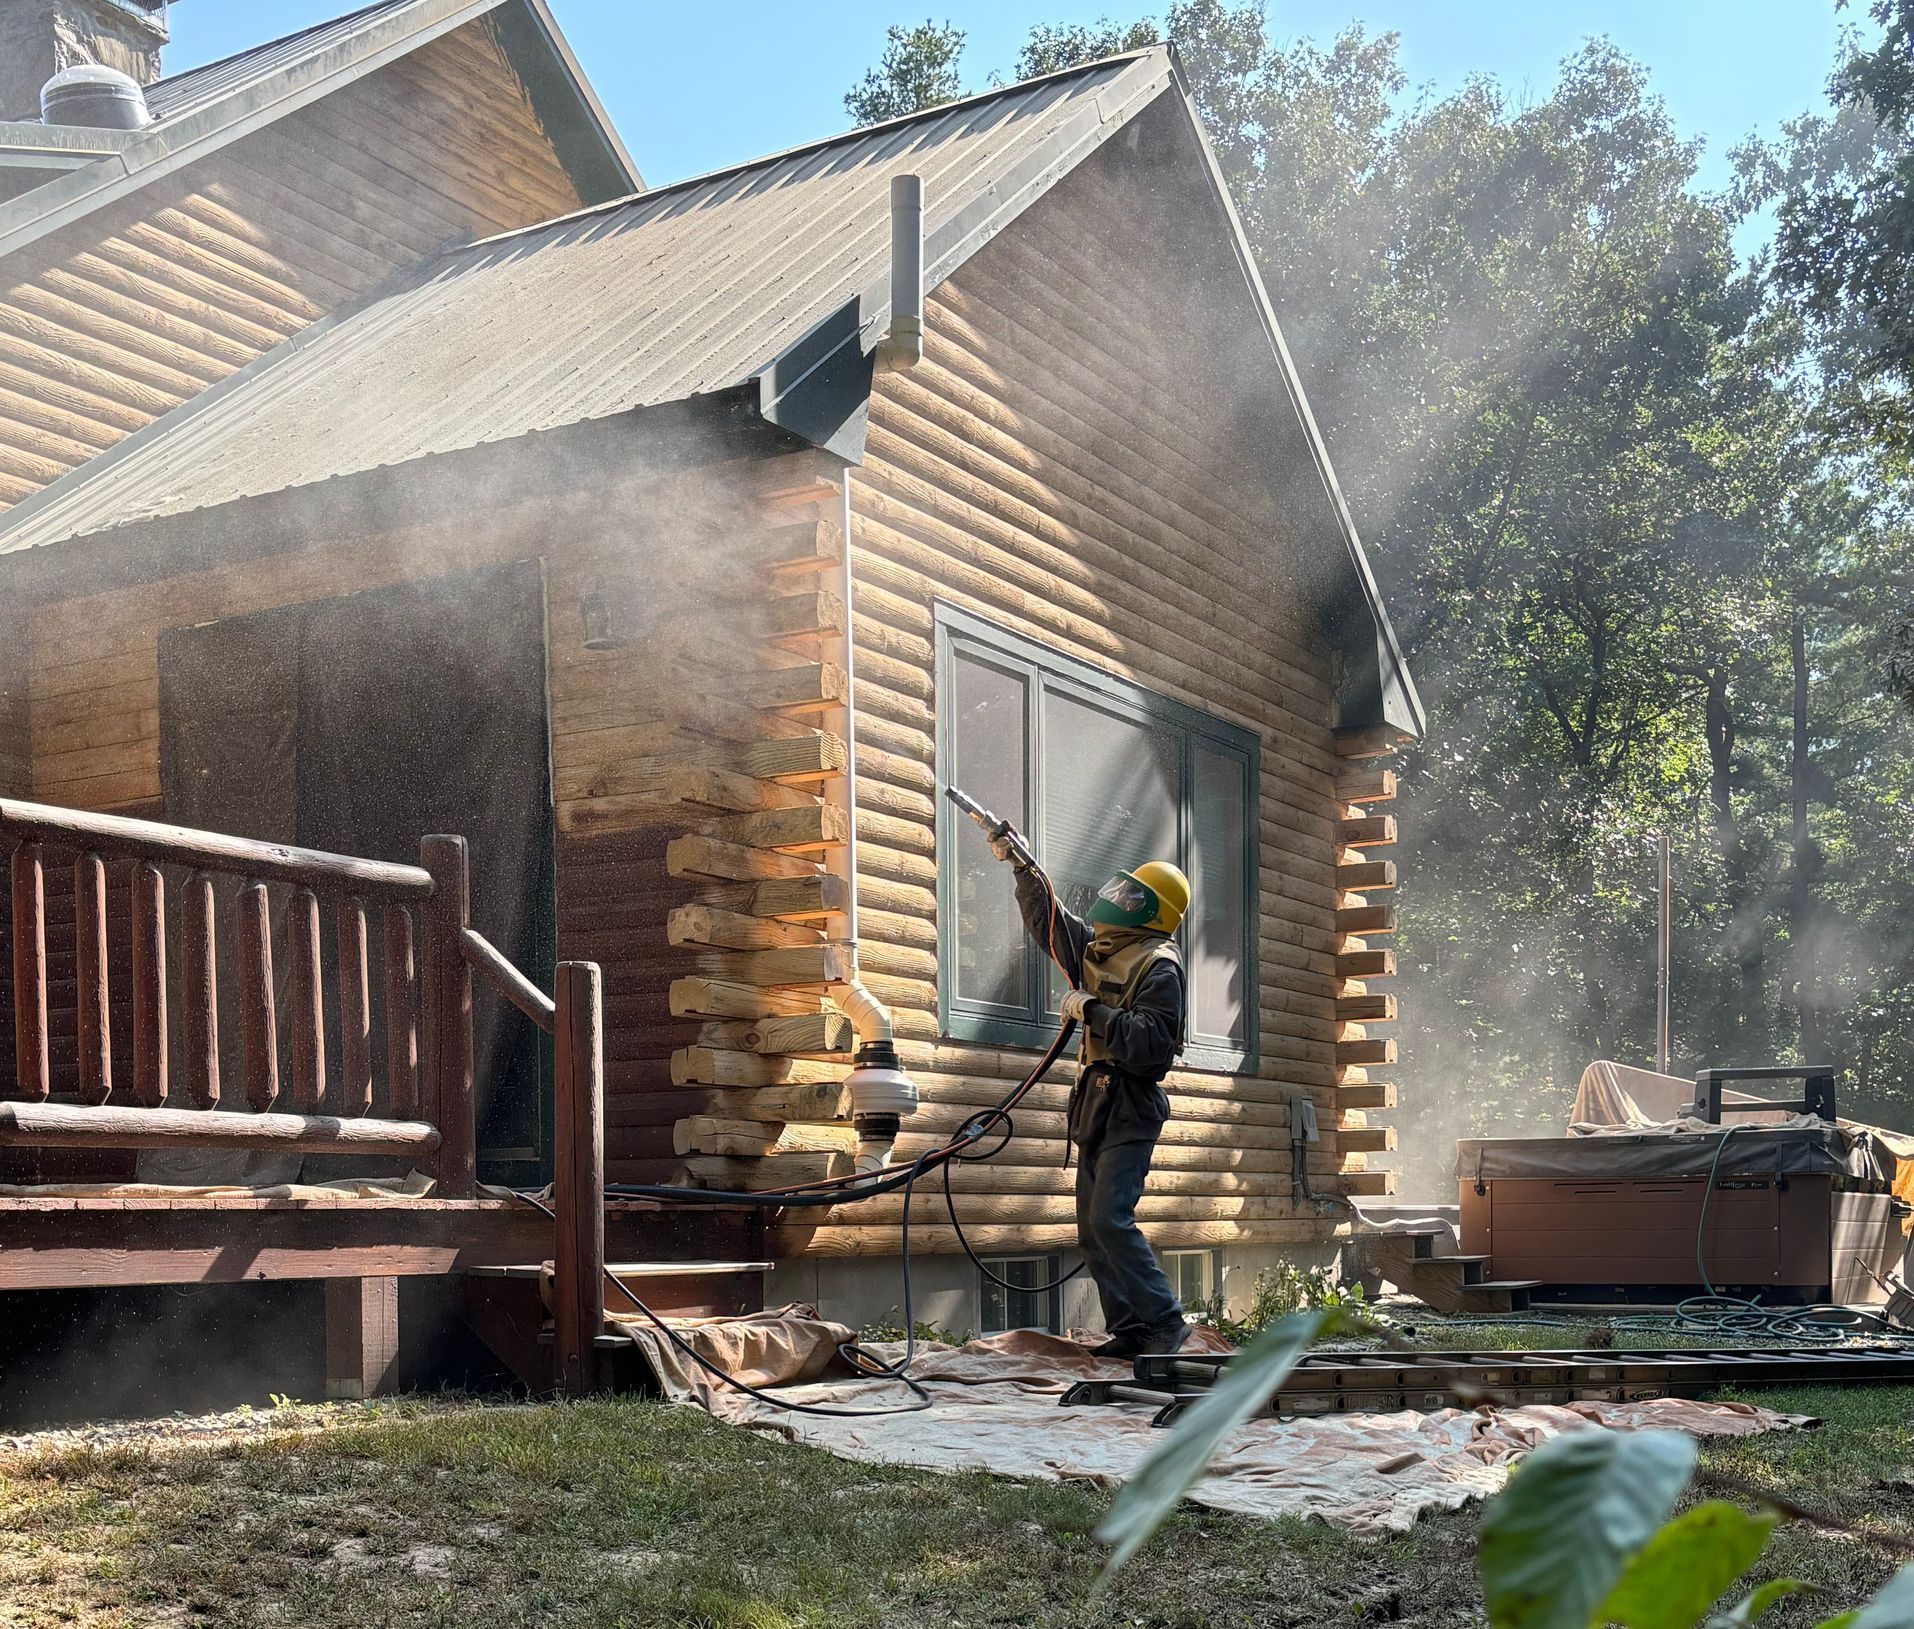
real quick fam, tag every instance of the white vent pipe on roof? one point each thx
(903, 343)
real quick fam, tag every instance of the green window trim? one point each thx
(1031, 1023)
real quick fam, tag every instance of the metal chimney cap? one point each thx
(97, 97)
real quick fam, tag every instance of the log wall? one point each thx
(1058, 465)
(627, 724)
(16, 746)
(110, 323)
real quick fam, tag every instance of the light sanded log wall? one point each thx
(1058, 465)
(112, 322)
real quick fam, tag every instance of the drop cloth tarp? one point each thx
(995, 1408)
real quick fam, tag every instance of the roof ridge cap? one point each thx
(705, 177)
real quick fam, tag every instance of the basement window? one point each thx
(1101, 775)
(1035, 1304)
(1192, 1274)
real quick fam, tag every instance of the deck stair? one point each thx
(1425, 1264)
(512, 1307)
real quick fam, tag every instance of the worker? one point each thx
(1128, 994)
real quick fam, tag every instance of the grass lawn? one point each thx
(630, 1512)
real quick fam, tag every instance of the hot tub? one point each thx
(1795, 1213)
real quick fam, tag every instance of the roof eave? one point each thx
(589, 146)
(432, 488)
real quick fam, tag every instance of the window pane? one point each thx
(1111, 791)
(1215, 939)
(987, 721)
(1027, 1308)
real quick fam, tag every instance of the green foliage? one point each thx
(918, 70)
(1577, 1540)
(1572, 1519)
(1279, 1291)
(1160, 1482)
(1687, 1566)
(1844, 215)
(1893, 1608)
(1752, 1605)
(892, 1329)
(1581, 1537)
(1051, 49)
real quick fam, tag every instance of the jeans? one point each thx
(1137, 1298)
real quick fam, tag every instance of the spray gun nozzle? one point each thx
(993, 827)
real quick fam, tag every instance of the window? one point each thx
(1101, 775)
(1025, 1308)
(1192, 1274)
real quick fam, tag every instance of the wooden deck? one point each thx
(74, 1243)
(401, 1082)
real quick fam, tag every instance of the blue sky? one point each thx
(693, 87)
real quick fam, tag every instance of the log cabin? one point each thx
(641, 547)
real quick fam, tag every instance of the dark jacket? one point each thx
(1141, 1040)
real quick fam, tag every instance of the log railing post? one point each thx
(355, 1012)
(401, 1015)
(199, 978)
(446, 990)
(257, 997)
(306, 977)
(578, 1186)
(93, 1010)
(149, 985)
(32, 1074)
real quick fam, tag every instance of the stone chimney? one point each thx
(40, 38)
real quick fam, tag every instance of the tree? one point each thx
(918, 70)
(1053, 48)
(1593, 459)
(1844, 233)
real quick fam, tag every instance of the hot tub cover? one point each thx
(1801, 1146)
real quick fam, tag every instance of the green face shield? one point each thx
(1123, 902)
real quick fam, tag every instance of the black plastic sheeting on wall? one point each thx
(359, 725)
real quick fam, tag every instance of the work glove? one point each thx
(1077, 1005)
(1000, 846)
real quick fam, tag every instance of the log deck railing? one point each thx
(179, 1095)
(411, 1096)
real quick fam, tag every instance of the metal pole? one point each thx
(1662, 953)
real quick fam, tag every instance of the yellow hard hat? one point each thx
(1172, 890)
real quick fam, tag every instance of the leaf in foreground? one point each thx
(1170, 1470)
(1575, 1513)
(1688, 1566)
(1893, 1608)
(1754, 1605)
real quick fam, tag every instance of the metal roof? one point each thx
(187, 92)
(202, 110)
(679, 292)
(772, 274)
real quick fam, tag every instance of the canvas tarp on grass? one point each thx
(994, 1407)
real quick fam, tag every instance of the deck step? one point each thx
(1498, 1295)
(628, 1269)
(1446, 1283)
